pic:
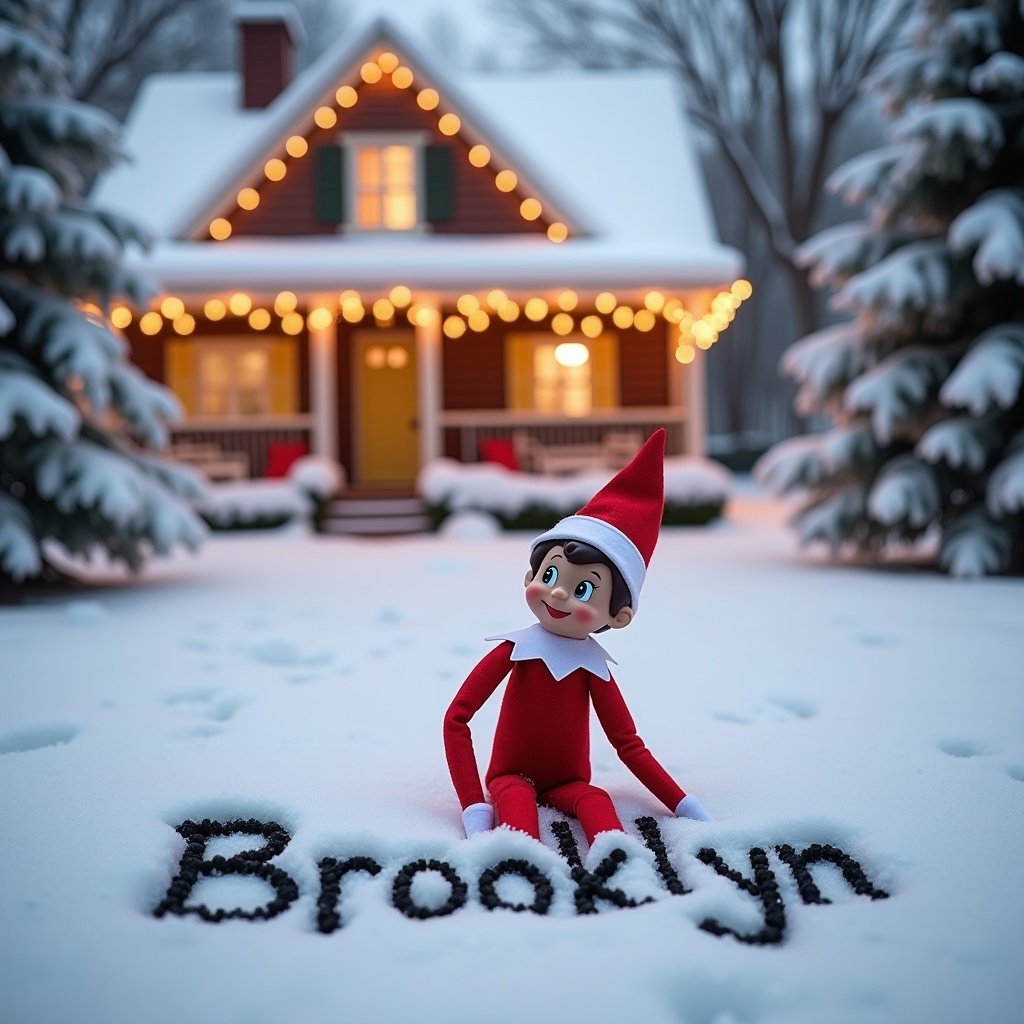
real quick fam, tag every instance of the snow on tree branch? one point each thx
(897, 389)
(961, 442)
(916, 277)
(990, 376)
(967, 123)
(25, 398)
(1005, 494)
(824, 363)
(906, 494)
(994, 229)
(1002, 73)
(974, 545)
(19, 550)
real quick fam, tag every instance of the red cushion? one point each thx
(500, 450)
(281, 455)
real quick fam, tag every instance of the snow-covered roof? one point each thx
(610, 152)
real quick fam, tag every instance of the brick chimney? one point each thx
(268, 33)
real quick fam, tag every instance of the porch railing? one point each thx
(236, 447)
(466, 429)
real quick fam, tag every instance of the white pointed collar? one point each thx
(561, 654)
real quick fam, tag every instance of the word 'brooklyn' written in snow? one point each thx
(591, 887)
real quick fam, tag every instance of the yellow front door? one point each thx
(386, 434)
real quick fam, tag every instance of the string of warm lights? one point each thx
(449, 123)
(471, 313)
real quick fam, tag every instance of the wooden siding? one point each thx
(643, 367)
(473, 369)
(287, 207)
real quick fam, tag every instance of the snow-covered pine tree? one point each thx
(925, 385)
(77, 421)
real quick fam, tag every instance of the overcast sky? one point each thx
(477, 29)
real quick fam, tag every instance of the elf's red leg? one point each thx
(591, 805)
(515, 803)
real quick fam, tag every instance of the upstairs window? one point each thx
(383, 182)
(385, 188)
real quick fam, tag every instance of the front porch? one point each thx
(387, 382)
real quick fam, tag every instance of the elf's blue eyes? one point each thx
(550, 576)
(584, 590)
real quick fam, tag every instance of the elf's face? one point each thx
(572, 600)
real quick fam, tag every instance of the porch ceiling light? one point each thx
(572, 354)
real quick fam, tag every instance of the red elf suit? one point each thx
(542, 740)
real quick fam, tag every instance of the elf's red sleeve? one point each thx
(458, 741)
(618, 725)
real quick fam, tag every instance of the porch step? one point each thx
(355, 515)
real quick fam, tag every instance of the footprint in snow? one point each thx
(877, 640)
(1016, 771)
(204, 702)
(774, 709)
(960, 747)
(278, 651)
(35, 737)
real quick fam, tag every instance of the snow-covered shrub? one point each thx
(321, 480)
(253, 504)
(77, 420)
(925, 386)
(695, 492)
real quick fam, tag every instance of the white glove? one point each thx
(478, 818)
(691, 807)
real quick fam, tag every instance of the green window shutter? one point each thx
(329, 184)
(439, 173)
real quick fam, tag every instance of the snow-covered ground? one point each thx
(303, 681)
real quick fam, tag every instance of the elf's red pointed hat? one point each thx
(623, 519)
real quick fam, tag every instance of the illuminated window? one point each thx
(233, 379)
(570, 375)
(385, 178)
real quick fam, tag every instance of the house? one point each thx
(384, 262)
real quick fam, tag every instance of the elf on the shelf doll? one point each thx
(585, 576)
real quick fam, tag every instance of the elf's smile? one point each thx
(554, 612)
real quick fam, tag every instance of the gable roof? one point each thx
(610, 153)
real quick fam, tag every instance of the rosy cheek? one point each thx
(535, 591)
(585, 615)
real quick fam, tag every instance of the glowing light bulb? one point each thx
(591, 326)
(240, 304)
(506, 180)
(558, 232)
(401, 77)
(685, 354)
(172, 307)
(370, 72)
(654, 301)
(292, 323)
(353, 311)
(454, 326)
(530, 209)
(644, 320)
(296, 146)
(479, 156)
(562, 323)
(536, 309)
(479, 320)
(605, 302)
(220, 229)
(622, 317)
(400, 296)
(215, 309)
(151, 323)
(742, 289)
(185, 324)
(496, 298)
(467, 304)
(509, 311)
(285, 302)
(320, 318)
(346, 96)
(387, 62)
(449, 124)
(325, 117)
(383, 310)
(427, 317)
(121, 316)
(259, 319)
(275, 169)
(427, 99)
(248, 199)
(567, 300)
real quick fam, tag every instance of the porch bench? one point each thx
(613, 452)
